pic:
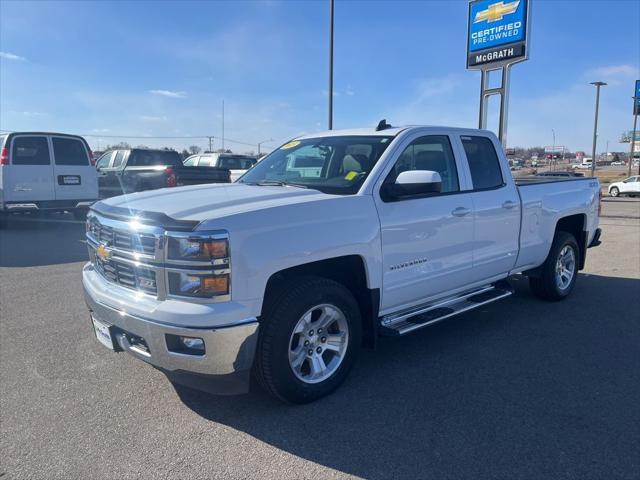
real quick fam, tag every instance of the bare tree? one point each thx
(194, 149)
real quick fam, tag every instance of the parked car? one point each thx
(288, 271)
(139, 169)
(630, 186)
(238, 164)
(45, 172)
(560, 174)
(617, 163)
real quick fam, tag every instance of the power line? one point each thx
(163, 137)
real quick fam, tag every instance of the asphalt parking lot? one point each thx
(519, 389)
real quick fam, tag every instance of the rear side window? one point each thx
(69, 151)
(103, 161)
(206, 161)
(483, 162)
(118, 160)
(191, 161)
(30, 151)
(149, 158)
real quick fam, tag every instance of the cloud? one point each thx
(350, 92)
(100, 130)
(11, 56)
(151, 118)
(30, 114)
(614, 70)
(168, 93)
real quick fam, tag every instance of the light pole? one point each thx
(595, 127)
(330, 64)
(553, 149)
(260, 143)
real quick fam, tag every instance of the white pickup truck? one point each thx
(289, 272)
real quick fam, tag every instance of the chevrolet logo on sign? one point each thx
(496, 12)
(102, 252)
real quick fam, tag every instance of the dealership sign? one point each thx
(497, 33)
(636, 100)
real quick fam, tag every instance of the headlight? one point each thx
(197, 249)
(205, 285)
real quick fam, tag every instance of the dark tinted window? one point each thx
(69, 151)
(483, 162)
(118, 160)
(434, 153)
(30, 151)
(236, 163)
(148, 158)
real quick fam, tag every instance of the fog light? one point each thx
(185, 345)
(192, 342)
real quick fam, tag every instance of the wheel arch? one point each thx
(576, 226)
(350, 271)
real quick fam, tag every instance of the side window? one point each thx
(191, 161)
(69, 151)
(483, 162)
(432, 152)
(103, 161)
(206, 161)
(118, 160)
(30, 151)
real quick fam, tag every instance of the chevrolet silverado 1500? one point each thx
(288, 272)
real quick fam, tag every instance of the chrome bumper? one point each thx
(228, 357)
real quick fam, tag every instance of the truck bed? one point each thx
(533, 180)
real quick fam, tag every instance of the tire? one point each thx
(313, 299)
(614, 191)
(80, 214)
(550, 286)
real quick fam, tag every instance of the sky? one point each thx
(160, 69)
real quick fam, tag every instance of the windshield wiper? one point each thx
(275, 183)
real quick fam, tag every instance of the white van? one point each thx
(46, 172)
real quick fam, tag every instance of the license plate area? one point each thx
(104, 333)
(69, 180)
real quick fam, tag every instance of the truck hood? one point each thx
(206, 202)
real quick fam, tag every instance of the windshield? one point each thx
(330, 164)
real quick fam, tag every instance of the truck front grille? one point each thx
(122, 239)
(126, 275)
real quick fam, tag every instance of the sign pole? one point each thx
(633, 139)
(504, 105)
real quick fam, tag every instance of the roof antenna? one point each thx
(383, 125)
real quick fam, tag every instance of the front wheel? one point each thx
(559, 272)
(309, 340)
(614, 192)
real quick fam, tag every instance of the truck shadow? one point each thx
(31, 241)
(517, 388)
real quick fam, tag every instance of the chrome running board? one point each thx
(407, 321)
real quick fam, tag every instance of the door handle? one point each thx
(460, 212)
(509, 205)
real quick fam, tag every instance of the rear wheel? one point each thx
(309, 340)
(559, 272)
(614, 192)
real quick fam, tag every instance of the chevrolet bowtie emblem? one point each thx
(496, 11)
(102, 252)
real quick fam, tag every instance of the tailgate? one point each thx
(200, 175)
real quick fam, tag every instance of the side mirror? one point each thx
(413, 183)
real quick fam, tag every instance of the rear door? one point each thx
(74, 176)
(29, 175)
(496, 206)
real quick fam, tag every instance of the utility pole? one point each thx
(633, 135)
(223, 125)
(553, 150)
(595, 127)
(330, 64)
(260, 143)
(210, 144)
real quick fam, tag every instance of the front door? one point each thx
(426, 241)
